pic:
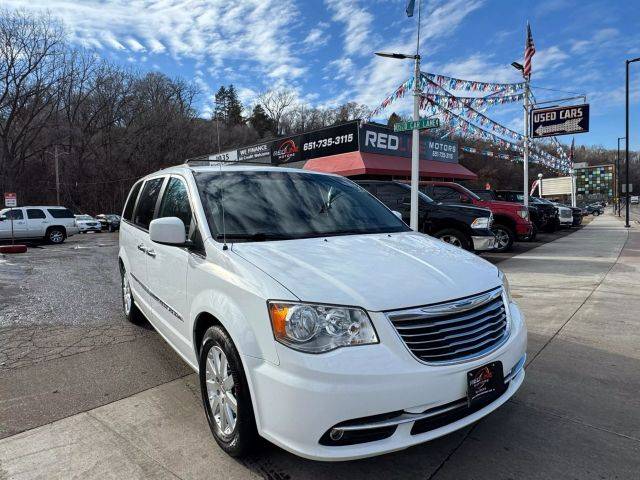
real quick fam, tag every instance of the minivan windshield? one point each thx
(277, 205)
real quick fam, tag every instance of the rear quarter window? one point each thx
(60, 212)
(131, 202)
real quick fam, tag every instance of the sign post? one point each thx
(423, 123)
(566, 120)
(11, 201)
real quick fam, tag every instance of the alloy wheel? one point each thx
(56, 236)
(127, 300)
(221, 392)
(502, 238)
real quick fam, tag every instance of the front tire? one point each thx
(129, 307)
(504, 237)
(454, 237)
(225, 394)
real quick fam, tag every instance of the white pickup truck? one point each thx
(53, 224)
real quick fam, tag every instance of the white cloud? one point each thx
(213, 31)
(547, 59)
(317, 37)
(340, 68)
(357, 21)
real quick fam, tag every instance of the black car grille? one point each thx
(454, 331)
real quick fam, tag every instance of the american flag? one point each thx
(529, 51)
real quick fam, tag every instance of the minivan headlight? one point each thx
(315, 328)
(481, 222)
(505, 286)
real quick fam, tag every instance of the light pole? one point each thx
(626, 141)
(525, 160)
(56, 154)
(617, 196)
(415, 143)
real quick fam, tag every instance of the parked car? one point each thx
(109, 221)
(464, 226)
(53, 224)
(594, 209)
(634, 199)
(313, 314)
(510, 220)
(86, 223)
(565, 214)
(544, 215)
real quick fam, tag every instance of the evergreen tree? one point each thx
(261, 122)
(393, 119)
(233, 107)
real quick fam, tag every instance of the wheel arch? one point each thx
(505, 220)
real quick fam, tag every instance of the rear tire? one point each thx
(56, 235)
(224, 388)
(454, 237)
(504, 237)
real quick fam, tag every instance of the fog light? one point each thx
(336, 434)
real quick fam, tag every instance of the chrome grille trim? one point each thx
(455, 331)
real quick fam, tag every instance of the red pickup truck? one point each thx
(510, 220)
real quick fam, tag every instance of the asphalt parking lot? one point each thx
(87, 395)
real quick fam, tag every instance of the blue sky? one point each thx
(323, 49)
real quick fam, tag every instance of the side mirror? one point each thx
(168, 231)
(397, 214)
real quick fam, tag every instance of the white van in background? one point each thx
(53, 224)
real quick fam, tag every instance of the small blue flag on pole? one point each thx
(410, 7)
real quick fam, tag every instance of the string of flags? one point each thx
(436, 99)
(457, 84)
(450, 101)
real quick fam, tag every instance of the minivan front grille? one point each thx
(454, 331)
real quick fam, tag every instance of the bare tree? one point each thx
(276, 103)
(31, 69)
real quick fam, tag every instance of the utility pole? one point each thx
(626, 141)
(415, 146)
(55, 159)
(617, 193)
(525, 190)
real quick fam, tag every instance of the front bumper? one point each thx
(300, 400)
(482, 243)
(524, 230)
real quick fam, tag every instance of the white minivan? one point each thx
(315, 317)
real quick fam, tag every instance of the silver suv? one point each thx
(53, 224)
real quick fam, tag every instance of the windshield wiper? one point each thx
(253, 237)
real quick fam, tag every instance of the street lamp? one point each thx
(415, 143)
(626, 141)
(617, 196)
(525, 160)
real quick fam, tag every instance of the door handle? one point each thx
(151, 253)
(142, 248)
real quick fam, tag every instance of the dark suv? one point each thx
(461, 225)
(548, 219)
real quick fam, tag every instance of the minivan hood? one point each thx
(377, 272)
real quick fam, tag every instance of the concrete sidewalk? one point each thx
(577, 415)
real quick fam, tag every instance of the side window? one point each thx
(14, 214)
(33, 213)
(446, 194)
(175, 202)
(391, 195)
(131, 202)
(147, 202)
(60, 213)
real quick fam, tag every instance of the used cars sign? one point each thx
(547, 122)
